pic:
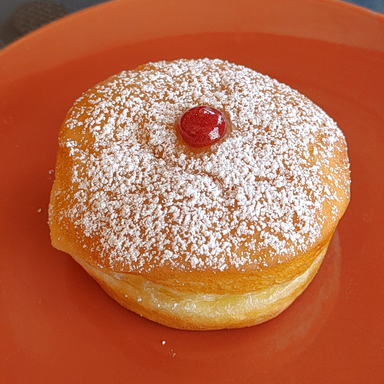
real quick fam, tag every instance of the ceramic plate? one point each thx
(58, 326)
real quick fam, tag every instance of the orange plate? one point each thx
(57, 325)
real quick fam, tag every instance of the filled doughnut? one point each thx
(199, 194)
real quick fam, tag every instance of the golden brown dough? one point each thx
(223, 237)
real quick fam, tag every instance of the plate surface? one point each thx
(58, 326)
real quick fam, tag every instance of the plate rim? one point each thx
(324, 20)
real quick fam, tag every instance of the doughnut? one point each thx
(198, 235)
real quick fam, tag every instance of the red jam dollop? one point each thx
(202, 126)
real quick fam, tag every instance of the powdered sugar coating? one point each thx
(261, 193)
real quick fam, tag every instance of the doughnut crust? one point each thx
(221, 237)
